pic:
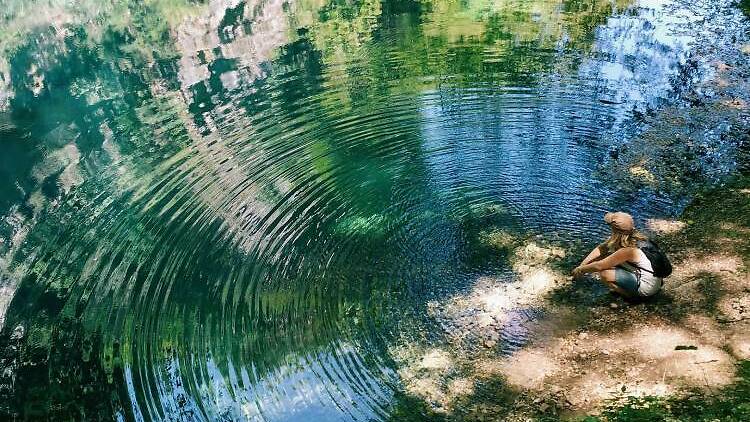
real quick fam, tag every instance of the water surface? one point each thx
(239, 209)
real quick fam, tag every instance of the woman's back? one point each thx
(649, 284)
(622, 265)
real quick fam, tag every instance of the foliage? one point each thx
(745, 6)
(455, 42)
(114, 73)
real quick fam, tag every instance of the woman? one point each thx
(622, 266)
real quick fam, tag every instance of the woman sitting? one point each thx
(622, 266)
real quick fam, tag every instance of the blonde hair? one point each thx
(622, 239)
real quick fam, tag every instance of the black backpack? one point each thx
(659, 261)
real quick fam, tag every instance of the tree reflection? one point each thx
(212, 192)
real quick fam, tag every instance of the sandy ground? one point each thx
(590, 346)
(579, 347)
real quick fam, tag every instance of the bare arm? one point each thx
(621, 256)
(594, 255)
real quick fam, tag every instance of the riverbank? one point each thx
(591, 355)
(688, 345)
(710, 294)
(595, 355)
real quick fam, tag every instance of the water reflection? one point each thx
(240, 209)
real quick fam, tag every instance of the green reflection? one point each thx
(190, 180)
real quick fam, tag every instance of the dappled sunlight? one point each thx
(736, 103)
(710, 331)
(492, 302)
(643, 174)
(735, 307)
(633, 352)
(714, 282)
(694, 264)
(538, 282)
(642, 360)
(362, 210)
(432, 376)
(476, 323)
(527, 369)
(733, 227)
(663, 227)
(497, 239)
(738, 339)
(436, 359)
(532, 254)
(460, 387)
(588, 368)
(660, 343)
(496, 300)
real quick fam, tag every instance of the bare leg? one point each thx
(608, 278)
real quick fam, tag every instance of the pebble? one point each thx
(490, 344)
(613, 305)
(583, 336)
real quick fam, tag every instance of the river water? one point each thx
(238, 210)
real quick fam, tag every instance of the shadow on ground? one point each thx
(591, 353)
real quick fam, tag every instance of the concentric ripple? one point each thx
(240, 210)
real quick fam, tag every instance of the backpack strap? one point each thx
(640, 245)
(641, 268)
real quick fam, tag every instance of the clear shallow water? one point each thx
(236, 210)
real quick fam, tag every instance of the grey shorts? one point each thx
(627, 281)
